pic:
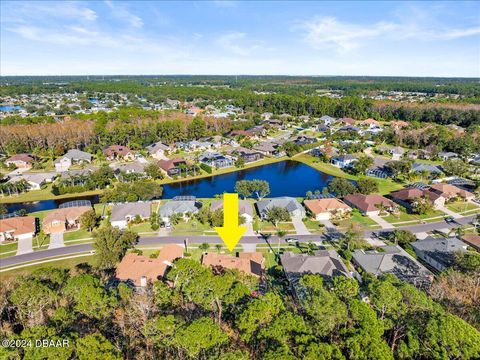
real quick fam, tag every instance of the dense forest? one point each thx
(210, 313)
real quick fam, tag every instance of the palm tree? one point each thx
(218, 247)
(204, 246)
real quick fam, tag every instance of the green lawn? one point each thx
(142, 228)
(265, 226)
(314, 226)
(461, 206)
(385, 186)
(359, 219)
(6, 249)
(43, 194)
(191, 227)
(403, 216)
(77, 234)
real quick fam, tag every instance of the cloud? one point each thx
(67, 9)
(236, 43)
(123, 13)
(329, 32)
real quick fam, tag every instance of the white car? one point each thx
(291, 240)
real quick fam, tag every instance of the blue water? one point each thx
(286, 178)
(8, 108)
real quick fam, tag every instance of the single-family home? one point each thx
(140, 270)
(450, 192)
(346, 121)
(325, 263)
(428, 168)
(118, 152)
(248, 155)
(158, 150)
(215, 159)
(21, 161)
(64, 219)
(244, 209)
(18, 228)
(472, 240)
(304, 140)
(327, 120)
(268, 148)
(250, 263)
(349, 128)
(370, 204)
(324, 209)
(135, 167)
(343, 161)
(397, 152)
(409, 196)
(393, 260)
(122, 214)
(439, 253)
(294, 208)
(180, 207)
(173, 166)
(71, 157)
(370, 122)
(34, 180)
(399, 124)
(447, 155)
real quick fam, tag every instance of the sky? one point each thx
(378, 38)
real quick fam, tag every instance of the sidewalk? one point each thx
(382, 222)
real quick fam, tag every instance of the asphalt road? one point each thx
(75, 249)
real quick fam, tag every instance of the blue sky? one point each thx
(235, 37)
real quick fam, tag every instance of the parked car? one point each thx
(449, 220)
(291, 240)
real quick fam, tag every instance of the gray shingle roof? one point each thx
(324, 262)
(179, 207)
(291, 204)
(121, 211)
(78, 155)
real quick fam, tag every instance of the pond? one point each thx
(9, 108)
(286, 178)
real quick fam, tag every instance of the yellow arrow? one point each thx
(230, 232)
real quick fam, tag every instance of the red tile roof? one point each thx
(18, 225)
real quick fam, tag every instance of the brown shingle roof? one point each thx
(134, 266)
(114, 150)
(20, 157)
(368, 203)
(18, 225)
(448, 190)
(66, 214)
(473, 240)
(318, 206)
(249, 263)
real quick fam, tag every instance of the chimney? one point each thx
(143, 281)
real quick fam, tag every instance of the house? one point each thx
(215, 159)
(35, 180)
(118, 152)
(63, 219)
(295, 209)
(274, 123)
(370, 122)
(348, 128)
(322, 128)
(122, 214)
(472, 240)
(183, 208)
(251, 263)
(158, 150)
(248, 155)
(447, 155)
(304, 140)
(370, 204)
(393, 260)
(244, 209)
(18, 228)
(396, 152)
(71, 157)
(343, 161)
(268, 148)
(193, 110)
(172, 167)
(21, 161)
(347, 121)
(135, 167)
(325, 263)
(326, 151)
(327, 120)
(140, 270)
(450, 192)
(439, 253)
(324, 209)
(431, 169)
(266, 115)
(409, 196)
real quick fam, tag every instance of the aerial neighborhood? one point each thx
(328, 199)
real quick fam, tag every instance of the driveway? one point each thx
(249, 231)
(300, 227)
(380, 221)
(328, 225)
(24, 246)
(449, 212)
(56, 240)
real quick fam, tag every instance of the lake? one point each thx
(286, 178)
(9, 108)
